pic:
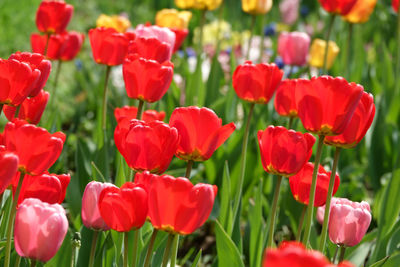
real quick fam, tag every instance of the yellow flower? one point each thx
(256, 7)
(174, 19)
(198, 4)
(317, 53)
(361, 11)
(119, 23)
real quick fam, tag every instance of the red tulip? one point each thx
(201, 132)
(326, 104)
(150, 48)
(35, 147)
(31, 109)
(35, 61)
(284, 152)
(256, 82)
(130, 113)
(285, 102)
(291, 253)
(125, 208)
(146, 145)
(109, 47)
(9, 167)
(175, 205)
(300, 185)
(340, 7)
(180, 35)
(358, 125)
(53, 16)
(146, 79)
(17, 79)
(395, 5)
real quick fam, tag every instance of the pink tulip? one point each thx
(293, 47)
(9, 167)
(40, 229)
(90, 210)
(289, 11)
(321, 211)
(348, 221)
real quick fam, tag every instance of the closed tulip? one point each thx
(256, 7)
(340, 7)
(9, 163)
(395, 5)
(348, 221)
(317, 52)
(201, 132)
(300, 185)
(284, 152)
(53, 16)
(256, 83)
(361, 11)
(146, 79)
(285, 102)
(124, 209)
(119, 23)
(39, 229)
(109, 47)
(175, 204)
(289, 10)
(146, 145)
(327, 104)
(293, 47)
(130, 113)
(198, 4)
(35, 147)
(151, 48)
(90, 214)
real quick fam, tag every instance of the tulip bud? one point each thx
(119, 23)
(256, 7)
(53, 16)
(317, 52)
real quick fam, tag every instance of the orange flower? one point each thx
(361, 11)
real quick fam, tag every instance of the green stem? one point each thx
(48, 35)
(346, 52)
(93, 248)
(202, 23)
(335, 255)
(262, 39)
(126, 244)
(73, 252)
(342, 252)
(104, 118)
(140, 110)
(17, 260)
(189, 167)
(328, 201)
(53, 94)
(174, 251)
(253, 23)
(33, 263)
(1, 108)
(11, 221)
(238, 195)
(135, 247)
(301, 223)
(150, 249)
(310, 209)
(328, 35)
(397, 71)
(17, 111)
(290, 124)
(167, 251)
(273, 212)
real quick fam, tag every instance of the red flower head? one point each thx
(256, 83)
(17, 79)
(284, 152)
(285, 102)
(150, 48)
(326, 104)
(201, 132)
(53, 16)
(146, 79)
(146, 146)
(175, 205)
(36, 62)
(50, 188)
(9, 167)
(130, 113)
(109, 47)
(291, 253)
(340, 7)
(300, 185)
(35, 147)
(31, 109)
(358, 125)
(180, 35)
(395, 5)
(125, 208)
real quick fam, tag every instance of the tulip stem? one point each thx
(53, 94)
(189, 168)
(104, 118)
(335, 255)
(140, 110)
(126, 244)
(273, 212)
(253, 23)
(342, 252)
(262, 40)
(290, 124)
(310, 209)
(202, 23)
(135, 247)
(1, 108)
(17, 261)
(48, 35)
(242, 163)
(11, 221)
(174, 251)
(93, 248)
(167, 251)
(33, 263)
(346, 52)
(150, 249)
(17, 111)
(328, 35)
(301, 223)
(328, 200)
(397, 70)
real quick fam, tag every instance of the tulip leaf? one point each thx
(388, 261)
(228, 253)
(257, 226)
(226, 207)
(197, 259)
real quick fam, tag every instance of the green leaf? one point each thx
(197, 259)
(228, 253)
(225, 216)
(257, 226)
